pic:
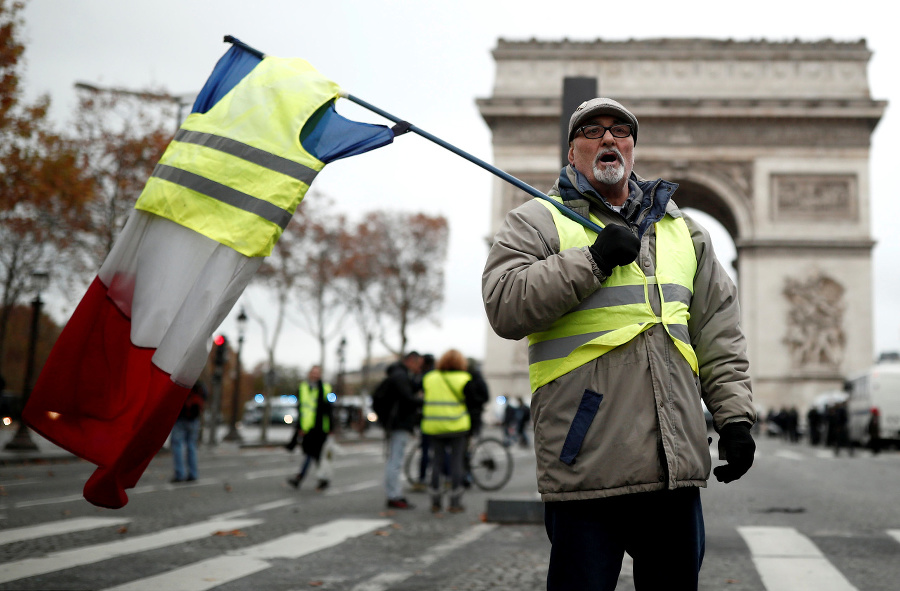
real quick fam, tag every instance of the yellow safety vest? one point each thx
(309, 401)
(444, 410)
(237, 172)
(620, 310)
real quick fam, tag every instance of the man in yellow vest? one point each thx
(313, 425)
(627, 331)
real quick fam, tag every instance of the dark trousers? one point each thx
(662, 531)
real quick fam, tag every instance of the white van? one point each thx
(874, 392)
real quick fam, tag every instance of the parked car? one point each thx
(282, 410)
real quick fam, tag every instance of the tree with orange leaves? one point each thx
(41, 183)
(120, 136)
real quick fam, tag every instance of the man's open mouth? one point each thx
(608, 158)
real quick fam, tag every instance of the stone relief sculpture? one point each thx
(815, 334)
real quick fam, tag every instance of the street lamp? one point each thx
(233, 434)
(180, 100)
(21, 441)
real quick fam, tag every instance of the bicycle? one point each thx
(489, 462)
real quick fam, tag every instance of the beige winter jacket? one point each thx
(648, 432)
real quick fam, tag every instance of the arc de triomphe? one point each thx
(770, 138)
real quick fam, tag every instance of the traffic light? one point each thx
(221, 349)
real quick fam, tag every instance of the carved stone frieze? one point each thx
(815, 322)
(814, 196)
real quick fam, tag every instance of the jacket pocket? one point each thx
(590, 402)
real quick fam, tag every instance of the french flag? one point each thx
(125, 362)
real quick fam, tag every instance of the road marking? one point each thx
(53, 528)
(30, 567)
(894, 533)
(384, 581)
(353, 487)
(789, 561)
(137, 491)
(238, 564)
(148, 488)
(257, 509)
(270, 473)
(52, 501)
(789, 455)
(291, 471)
(18, 482)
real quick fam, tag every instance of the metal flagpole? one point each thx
(475, 160)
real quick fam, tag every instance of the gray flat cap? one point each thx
(601, 106)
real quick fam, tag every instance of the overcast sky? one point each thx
(427, 62)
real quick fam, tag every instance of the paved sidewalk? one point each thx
(46, 451)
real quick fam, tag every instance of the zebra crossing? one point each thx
(784, 558)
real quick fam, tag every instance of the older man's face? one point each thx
(606, 161)
(315, 374)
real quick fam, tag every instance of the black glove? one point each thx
(736, 444)
(615, 246)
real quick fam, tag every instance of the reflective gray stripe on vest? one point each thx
(454, 418)
(677, 293)
(225, 194)
(680, 332)
(622, 295)
(559, 348)
(248, 153)
(618, 295)
(563, 346)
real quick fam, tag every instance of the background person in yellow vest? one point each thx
(627, 330)
(314, 425)
(446, 421)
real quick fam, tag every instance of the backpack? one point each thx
(384, 402)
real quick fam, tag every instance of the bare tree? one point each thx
(318, 246)
(412, 248)
(279, 273)
(360, 274)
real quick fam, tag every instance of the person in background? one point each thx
(477, 395)
(313, 426)
(186, 433)
(401, 387)
(445, 419)
(523, 420)
(424, 440)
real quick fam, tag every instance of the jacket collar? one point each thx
(578, 194)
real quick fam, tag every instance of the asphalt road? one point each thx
(801, 519)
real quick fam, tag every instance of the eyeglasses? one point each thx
(594, 131)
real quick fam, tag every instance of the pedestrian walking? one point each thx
(627, 330)
(814, 424)
(313, 427)
(841, 422)
(523, 421)
(428, 363)
(186, 433)
(399, 419)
